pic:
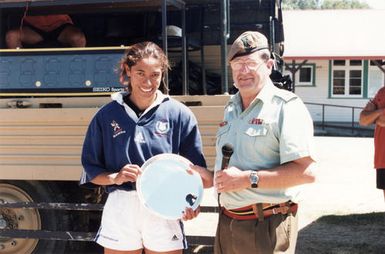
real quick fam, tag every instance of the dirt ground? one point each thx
(342, 212)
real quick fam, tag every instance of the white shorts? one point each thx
(128, 225)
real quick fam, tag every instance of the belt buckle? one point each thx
(271, 206)
(282, 210)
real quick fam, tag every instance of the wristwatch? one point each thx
(254, 179)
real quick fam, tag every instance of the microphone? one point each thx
(227, 151)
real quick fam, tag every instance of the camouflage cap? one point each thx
(247, 43)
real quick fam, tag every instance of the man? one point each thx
(35, 29)
(271, 133)
(374, 113)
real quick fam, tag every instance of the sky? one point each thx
(375, 4)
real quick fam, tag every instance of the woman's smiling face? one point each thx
(145, 77)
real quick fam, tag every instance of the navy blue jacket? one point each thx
(116, 137)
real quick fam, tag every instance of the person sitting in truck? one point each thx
(36, 29)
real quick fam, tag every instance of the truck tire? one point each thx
(31, 219)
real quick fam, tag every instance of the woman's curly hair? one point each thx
(136, 53)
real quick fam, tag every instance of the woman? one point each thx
(135, 126)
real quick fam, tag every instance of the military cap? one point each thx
(247, 43)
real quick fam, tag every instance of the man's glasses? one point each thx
(251, 65)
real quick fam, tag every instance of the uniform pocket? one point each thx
(253, 134)
(252, 138)
(255, 131)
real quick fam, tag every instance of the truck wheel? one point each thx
(31, 219)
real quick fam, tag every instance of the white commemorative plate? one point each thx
(166, 188)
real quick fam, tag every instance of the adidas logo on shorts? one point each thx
(174, 238)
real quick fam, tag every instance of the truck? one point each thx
(49, 93)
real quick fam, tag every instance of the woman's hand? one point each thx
(207, 176)
(190, 214)
(129, 173)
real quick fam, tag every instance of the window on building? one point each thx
(347, 78)
(379, 61)
(376, 78)
(305, 75)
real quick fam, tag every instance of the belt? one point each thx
(260, 211)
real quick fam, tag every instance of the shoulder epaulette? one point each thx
(286, 95)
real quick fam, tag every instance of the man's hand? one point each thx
(379, 113)
(231, 179)
(371, 114)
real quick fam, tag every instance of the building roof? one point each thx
(334, 34)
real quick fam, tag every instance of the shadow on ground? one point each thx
(353, 234)
(83, 248)
(93, 248)
(332, 234)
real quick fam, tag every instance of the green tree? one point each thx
(323, 4)
(299, 4)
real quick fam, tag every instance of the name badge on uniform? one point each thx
(257, 121)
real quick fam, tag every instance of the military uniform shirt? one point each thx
(276, 128)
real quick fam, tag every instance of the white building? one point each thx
(338, 50)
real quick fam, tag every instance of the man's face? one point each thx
(250, 72)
